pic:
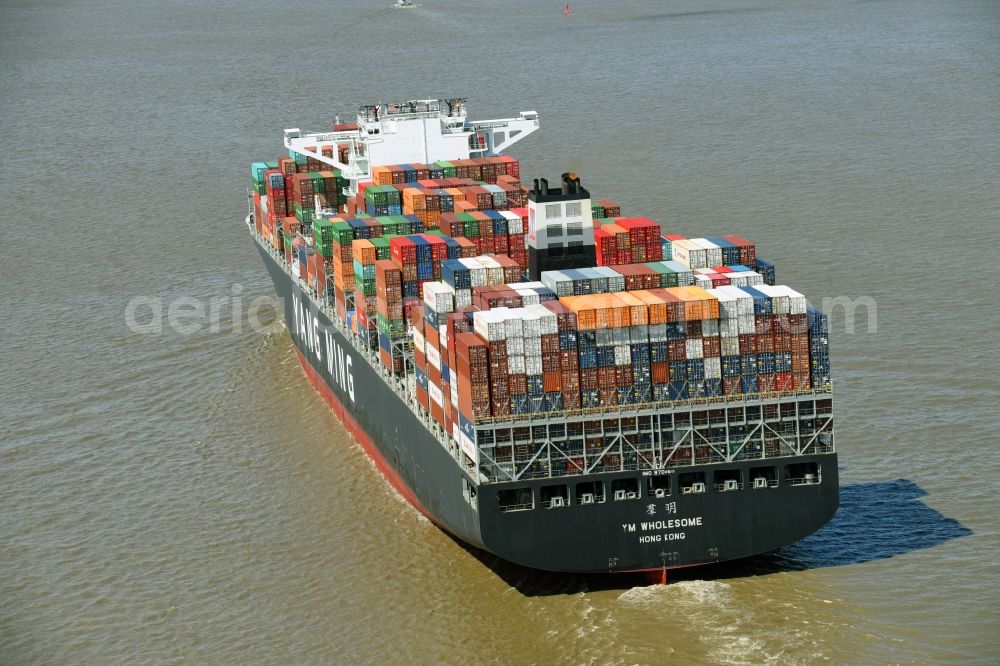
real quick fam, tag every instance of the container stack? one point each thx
(306, 189)
(389, 308)
(492, 232)
(819, 348)
(437, 252)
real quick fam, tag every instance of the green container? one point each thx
(394, 328)
(304, 215)
(447, 168)
(342, 232)
(382, 250)
(318, 183)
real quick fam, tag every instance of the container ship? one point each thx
(545, 378)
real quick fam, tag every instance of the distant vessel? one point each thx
(404, 4)
(542, 377)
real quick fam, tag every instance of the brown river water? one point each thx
(186, 497)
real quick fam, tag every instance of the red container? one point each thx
(403, 250)
(783, 381)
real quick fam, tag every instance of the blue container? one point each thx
(605, 357)
(590, 398)
(783, 362)
(588, 358)
(430, 317)
(639, 353)
(553, 401)
(678, 371)
(425, 270)
(360, 227)
(567, 340)
(455, 274)
(519, 404)
(766, 269)
(748, 384)
(421, 378)
(766, 362)
(731, 366)
(676, 330)
(661, 392)
(658, 352)
(678, 390)
(748, 365)
(730, 253)
(588, 339)
(712, 387)
(696, 369)
(454, 249)
(535, 385)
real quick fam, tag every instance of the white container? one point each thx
(727, 303)
(477, 271)
(528, 296)
(713, 253)
(689, 253)
(702, 281)
(558, 282)
(433, 356)
(533, 365)
(463, 298)
(533, 347)
(437, 396)
(796, 302)
(547, 320)
(489, 325)
(515, 225)
(728, 328)
(513, 319)
(713, 368)
(710, 328)
(494, 271)
(616, 281)
(623, 355)
(694, 348)
(515, 345)
(515, 364)
(744, 301)
(439, 296)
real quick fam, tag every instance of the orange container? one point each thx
(364, 251)
(638, 311)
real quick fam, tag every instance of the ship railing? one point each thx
(507, 508)
(808, 480)
(639, 408)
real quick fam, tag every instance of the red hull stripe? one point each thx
(361, 436)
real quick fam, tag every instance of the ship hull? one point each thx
(647, 532)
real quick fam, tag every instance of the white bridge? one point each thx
(416, 131)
